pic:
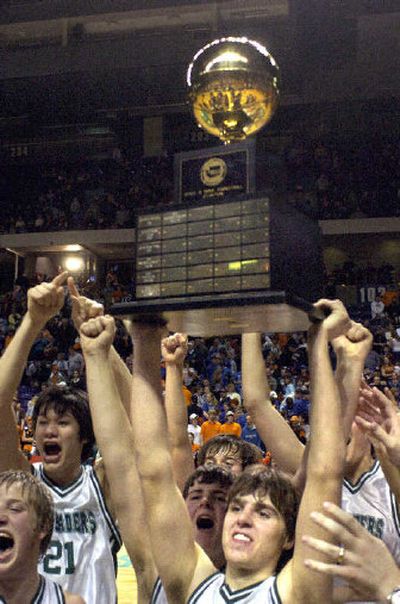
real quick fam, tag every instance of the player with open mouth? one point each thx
(260, 523)
(81, 554)
(26, 524)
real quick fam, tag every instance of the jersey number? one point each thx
(50, 560)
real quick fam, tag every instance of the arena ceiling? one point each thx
(68, 60)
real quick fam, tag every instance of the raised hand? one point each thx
(83, 308)
(380, 420)
(46, 300)
(356, 342)
(97, 335)
(174, 349)
(361, 560)
(336, 323)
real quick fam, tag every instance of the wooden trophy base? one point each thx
(225, 314)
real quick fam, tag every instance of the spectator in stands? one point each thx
(232, 394)
(230, 426)
(394, 343)
(301, 403)
(297, 425)
(195, 429)
(377, 308)
(211, 427)
(250, 434)
(194, 408)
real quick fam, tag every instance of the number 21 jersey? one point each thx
(82, 552)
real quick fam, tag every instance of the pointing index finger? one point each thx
(72, 287)
(60, 279)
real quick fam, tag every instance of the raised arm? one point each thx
(83, 309)
(380, 420)
(170, 529)
(174, 349)
(277, 435)
(350, 354)
(44, 301)
(325, 462)
(350, 358)
(114, 437)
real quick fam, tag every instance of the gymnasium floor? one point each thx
(126, 580)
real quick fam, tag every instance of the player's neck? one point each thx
(239, 578)
(21, 589)
(65, 475)
(354, 473)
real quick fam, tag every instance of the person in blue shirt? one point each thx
(301, 403)
(250, 434)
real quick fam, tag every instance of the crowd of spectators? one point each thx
(352, 273)
(346, 178)
(87, 195)
(212, 374)
(325, 179)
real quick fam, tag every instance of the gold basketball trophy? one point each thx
(233, 88)
(215, 265)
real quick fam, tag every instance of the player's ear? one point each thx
(288, 544)
(42, 535)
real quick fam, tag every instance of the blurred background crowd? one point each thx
(326, 179)
(212, 372)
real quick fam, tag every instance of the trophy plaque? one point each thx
(221, 268)
(225, 262)
(216, 173)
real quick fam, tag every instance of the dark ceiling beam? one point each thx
(15, 11)
(96, 56)
(139, 51)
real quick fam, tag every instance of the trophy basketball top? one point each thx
(233, 87)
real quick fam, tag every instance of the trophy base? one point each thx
(225, 314)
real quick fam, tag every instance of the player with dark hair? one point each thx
(259, 520)
(81, 552)
(205, 490)
(61, 400)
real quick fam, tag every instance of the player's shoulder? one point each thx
(99, 470)
(204, 570)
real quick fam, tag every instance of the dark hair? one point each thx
(209, 475)
(259, 480)
(36, 496)
(64, 399)
(228, 443)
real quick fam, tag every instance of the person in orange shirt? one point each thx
(195, 447)
(187, 395)
(231, 427)
(211, 427)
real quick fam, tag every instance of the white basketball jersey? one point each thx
(48, 593)
(215, 591)
(82, 553)
(373, 504)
